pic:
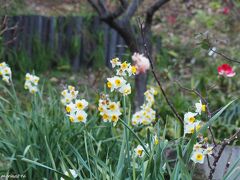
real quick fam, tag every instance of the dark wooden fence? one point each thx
(81, 39)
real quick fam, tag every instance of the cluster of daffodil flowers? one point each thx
(109, 111)
(190, 122)
(146, 115)
(5, 72)
(118, 82)
(31, 83)
(69, 95)
(200, 150)
(75, 108)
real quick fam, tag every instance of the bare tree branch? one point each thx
(199, 95)
(95, 6)
(4, 28)
(104, 13)
(152, 9)
(132, 8)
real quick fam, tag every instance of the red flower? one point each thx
(226, 70)
(226, 10)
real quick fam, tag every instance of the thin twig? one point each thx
(213, 139)
(155, 76)
(224, 56)
(199, 95)
(209, 165)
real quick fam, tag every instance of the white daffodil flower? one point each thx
(115, 62)
(125, 89)
(139, 151)
(198, 157)
(31, 83)
(81, 104)
(200, 107)
(189, 117)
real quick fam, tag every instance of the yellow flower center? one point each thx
(147, 116)
(191, 119)
(73, 93)
(118, 82)
(144, 122)
(80, 118)
(80, 105)
(134, 69)
(68, 109)
(105, 117)
(203, 108)
(114, 118)
(199, 157)
(127, 91)
(139, 152)
(109, 84)
(156, 141)
(112, 107)
(33, 91)
(134, 122)
(124, 65)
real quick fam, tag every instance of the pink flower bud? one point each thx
(141, 62)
